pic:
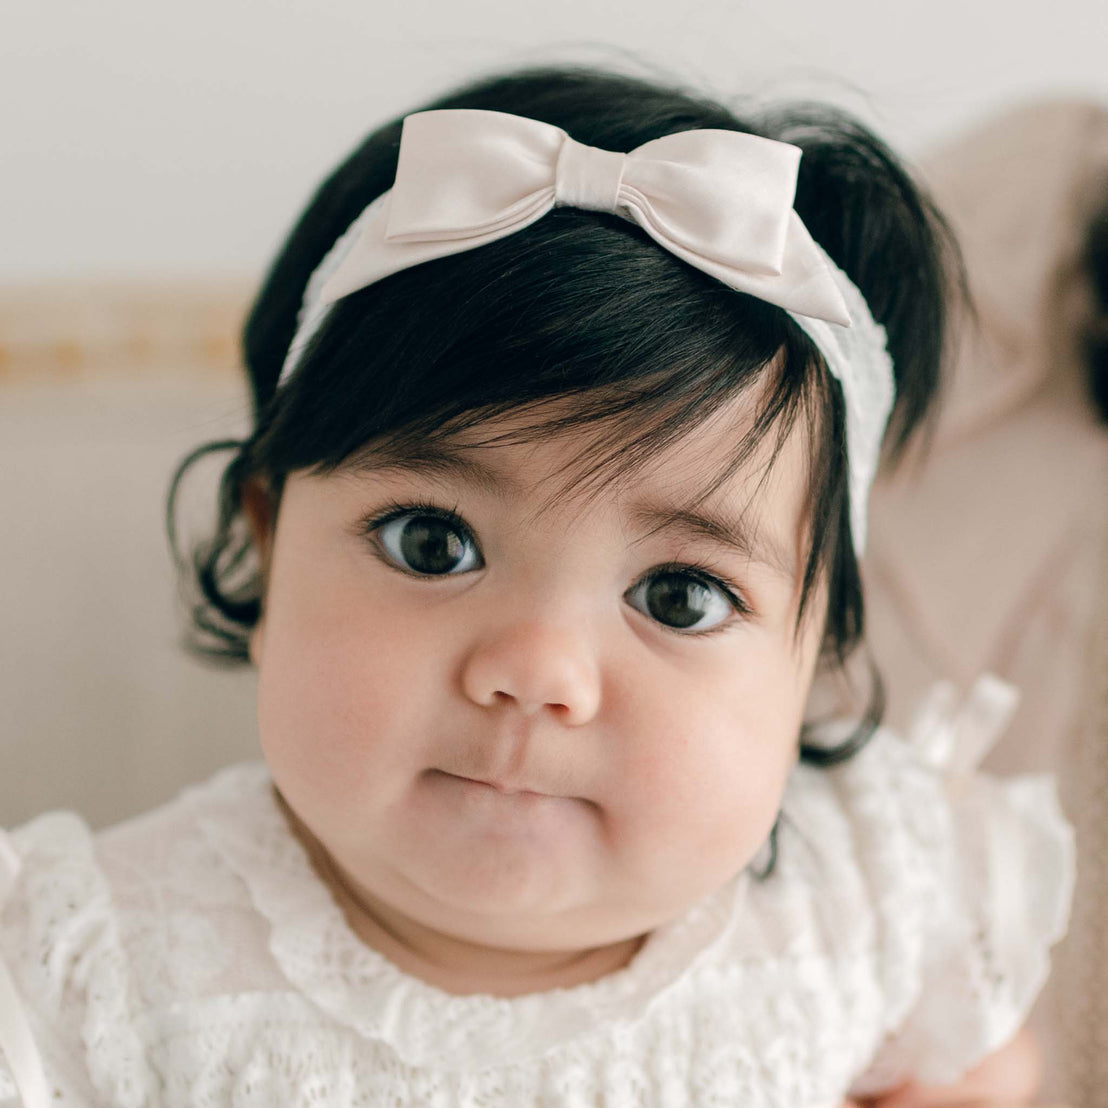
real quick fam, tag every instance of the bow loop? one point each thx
(467, 172)
(725, 194)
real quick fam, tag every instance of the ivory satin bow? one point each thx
(720, 200)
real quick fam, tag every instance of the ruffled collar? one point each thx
(321, 956)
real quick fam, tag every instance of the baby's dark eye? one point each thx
(428, 544)
(682, 600)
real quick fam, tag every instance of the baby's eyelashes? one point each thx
(684, 601)
(425, 540)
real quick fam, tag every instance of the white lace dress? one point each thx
(192, 958)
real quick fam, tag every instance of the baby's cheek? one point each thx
(329, 713)
(698, 810)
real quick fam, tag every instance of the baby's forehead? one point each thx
(540, 446)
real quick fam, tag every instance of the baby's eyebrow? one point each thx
(434, 460)
(755, 546)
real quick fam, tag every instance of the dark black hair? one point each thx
(585, 304)
(1096, 344)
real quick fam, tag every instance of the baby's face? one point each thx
(534, 725)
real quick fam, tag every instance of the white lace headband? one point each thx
(721, 200)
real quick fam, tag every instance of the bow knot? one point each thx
(588, 177)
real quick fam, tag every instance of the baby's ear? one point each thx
(260, 511)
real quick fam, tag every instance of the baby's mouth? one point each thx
(500, 785)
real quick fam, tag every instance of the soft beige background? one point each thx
(993, 555)
(141, 136)
(102, 390)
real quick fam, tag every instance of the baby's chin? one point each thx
(491, 854)
(519, 902)
(532, 910)
(509, 897)
(538, 874)
(506, 949)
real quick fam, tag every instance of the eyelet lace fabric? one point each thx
(192, 957)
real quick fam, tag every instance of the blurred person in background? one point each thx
(990, 555)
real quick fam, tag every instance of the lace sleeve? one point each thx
(68, 1035)
(9, 1095)
(20, 1065)
(1004, 868)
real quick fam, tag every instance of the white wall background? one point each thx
(141, 137)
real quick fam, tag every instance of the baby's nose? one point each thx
(536, 666)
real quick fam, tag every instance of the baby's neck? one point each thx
(451, 964)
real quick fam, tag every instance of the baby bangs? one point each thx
(581, 305)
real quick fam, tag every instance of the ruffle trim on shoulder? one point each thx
(1006, 883)
(955, 884)
(73, 969)
(425, 1026)
(856, 850)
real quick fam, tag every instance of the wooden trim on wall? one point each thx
(84, 328)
